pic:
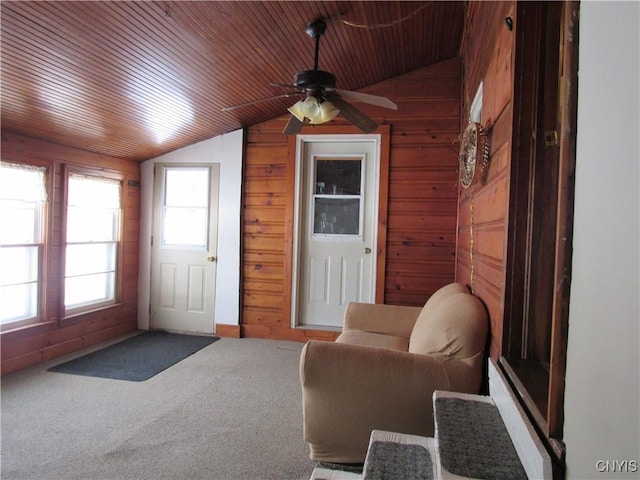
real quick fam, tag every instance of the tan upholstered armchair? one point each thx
(382, 370)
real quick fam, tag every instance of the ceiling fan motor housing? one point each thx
(314, 80)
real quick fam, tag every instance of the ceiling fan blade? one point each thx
(366, 98)
(285, 85)
(293, 126)
(247, 104)
(351, 113)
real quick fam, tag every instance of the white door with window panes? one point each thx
(183, 252)
(336, 221)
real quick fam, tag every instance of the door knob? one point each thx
(367, 250)
(211, 259)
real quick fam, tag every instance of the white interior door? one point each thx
(337, 211)
(183, 268)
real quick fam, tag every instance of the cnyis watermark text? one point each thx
(617, 466)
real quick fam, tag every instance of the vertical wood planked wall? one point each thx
(487, 53)
(422, 203)
(54, 336)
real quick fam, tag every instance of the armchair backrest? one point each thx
(439, 295)
(454, 324)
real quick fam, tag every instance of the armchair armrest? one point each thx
(350, 390)
(379, 318)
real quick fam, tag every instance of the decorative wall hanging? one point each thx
(474, 154)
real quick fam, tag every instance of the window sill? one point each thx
(532, 381)
(533, 399)
(7, 329)
(78, 316)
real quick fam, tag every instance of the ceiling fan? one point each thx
(322, 101)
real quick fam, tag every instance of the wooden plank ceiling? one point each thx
(138, 79)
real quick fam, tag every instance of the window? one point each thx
(541, 215)
(22, 202)
(92, 236)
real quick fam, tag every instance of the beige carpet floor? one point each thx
(230, 411)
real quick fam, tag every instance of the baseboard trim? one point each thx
(223, 330)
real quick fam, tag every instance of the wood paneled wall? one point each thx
(422, 201)
(487, 53)
(55, 336)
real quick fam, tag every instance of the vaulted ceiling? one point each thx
(138, 79)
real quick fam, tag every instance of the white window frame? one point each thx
(112, 256)
(37, 197)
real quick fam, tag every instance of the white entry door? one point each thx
(183, 269)
(337, 211)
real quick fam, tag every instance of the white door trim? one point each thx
(301, 140)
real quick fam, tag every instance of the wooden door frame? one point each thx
(383, 199)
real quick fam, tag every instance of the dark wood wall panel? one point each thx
(54, 336)
(422, 201)
(483, 208)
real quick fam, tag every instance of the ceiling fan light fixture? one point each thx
(310, 110)
(324, 101)
(327, 112)
(300, 109)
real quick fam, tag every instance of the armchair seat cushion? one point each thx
(375, 340)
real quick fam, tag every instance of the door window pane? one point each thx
(338, 176)
(186, 207)
(187, 187)
(185, 227)
(340, 216)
